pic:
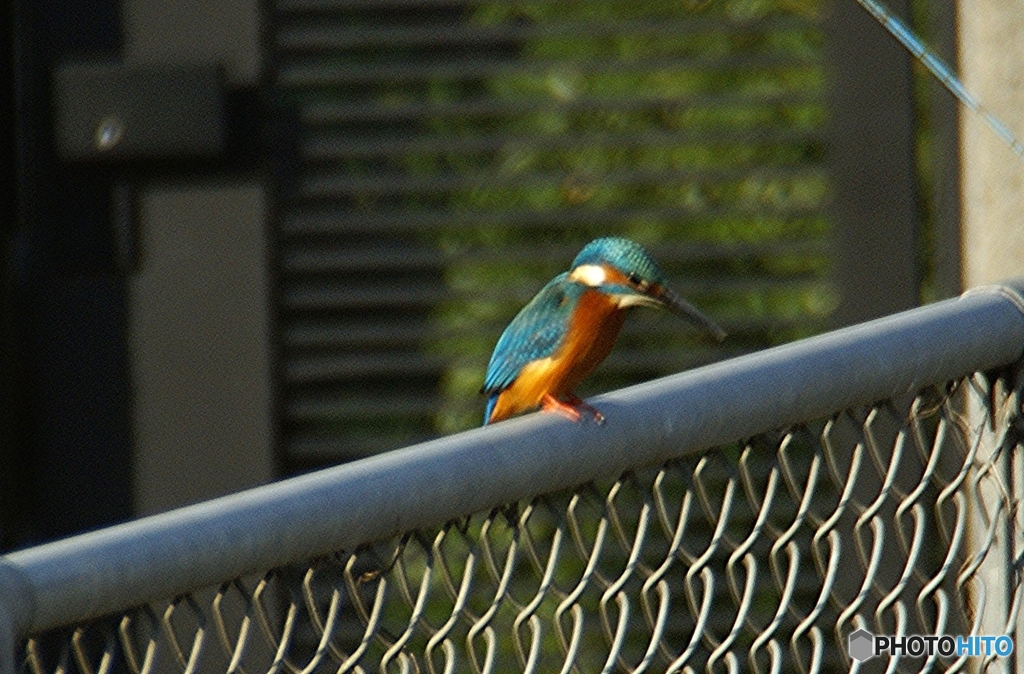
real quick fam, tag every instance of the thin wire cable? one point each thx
(942, 72)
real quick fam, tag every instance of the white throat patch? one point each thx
(589, 274)
(626, 301)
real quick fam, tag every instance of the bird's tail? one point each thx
(492, 400)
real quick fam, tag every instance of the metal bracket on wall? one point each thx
(107, 111)
(143, 121)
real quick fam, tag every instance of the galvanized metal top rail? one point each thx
(172, 553)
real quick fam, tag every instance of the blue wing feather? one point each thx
(536, 332)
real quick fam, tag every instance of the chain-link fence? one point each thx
(750, 516)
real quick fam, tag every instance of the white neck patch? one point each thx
(589, 274)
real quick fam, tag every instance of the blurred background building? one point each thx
(249, 239)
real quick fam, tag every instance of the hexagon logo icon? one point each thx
(861, 645)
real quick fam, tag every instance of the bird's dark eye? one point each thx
(637, 281)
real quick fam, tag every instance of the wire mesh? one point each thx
(762, 555)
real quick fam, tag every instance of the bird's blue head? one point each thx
(622, 255)
(622, 269)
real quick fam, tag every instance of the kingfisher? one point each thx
(570, 326)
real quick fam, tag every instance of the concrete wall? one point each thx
(199, 303)
(992, 66)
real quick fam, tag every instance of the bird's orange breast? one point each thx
(593, 328)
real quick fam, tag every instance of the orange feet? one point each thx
(570, 408)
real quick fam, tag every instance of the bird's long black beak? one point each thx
(677, 305)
